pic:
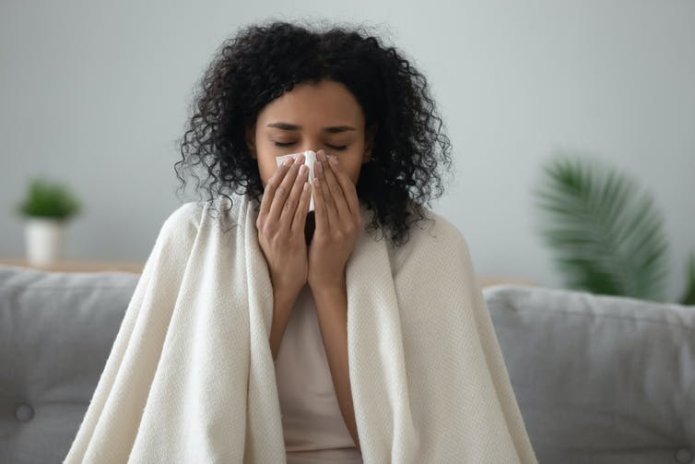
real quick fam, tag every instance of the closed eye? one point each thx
(287, 144)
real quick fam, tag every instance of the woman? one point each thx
(350, 317)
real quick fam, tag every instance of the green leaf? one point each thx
(688, 297)
(607, 238)
(48, 200)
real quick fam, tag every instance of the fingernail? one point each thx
(287, 162)
(333, 159)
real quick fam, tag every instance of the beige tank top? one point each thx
(313, 426)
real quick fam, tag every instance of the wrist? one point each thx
(284, 288)
(328, 288)
(285, 295)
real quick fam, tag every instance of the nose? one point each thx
(311, 147)
(314, 148)
(310, 142)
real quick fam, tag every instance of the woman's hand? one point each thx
(280, 225)
(338, 224)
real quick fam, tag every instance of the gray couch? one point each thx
(598, 379)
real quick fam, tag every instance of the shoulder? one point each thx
(184, 219)
(192, 216)
(189, 213)
(438, 230)
(434, 242)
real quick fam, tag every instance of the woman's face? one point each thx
(311, 117)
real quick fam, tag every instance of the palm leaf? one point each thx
(608, 237)
(688, 297)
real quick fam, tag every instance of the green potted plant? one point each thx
(607, 235)
(46, 208)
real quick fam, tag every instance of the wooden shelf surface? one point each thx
(78, 265)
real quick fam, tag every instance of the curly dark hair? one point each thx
(263, 61)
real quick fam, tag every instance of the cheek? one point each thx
(266, 168)
(352, 169)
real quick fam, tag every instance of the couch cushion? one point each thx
(56, 331)
(599, 379)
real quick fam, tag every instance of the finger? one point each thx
(336, 189)
(299, 222)
(287, 214)
(272, 185)
(349, 190)
(319, 206)
(283, 191)
(332, 219)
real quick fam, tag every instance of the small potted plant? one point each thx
(46, 208)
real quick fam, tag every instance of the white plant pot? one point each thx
(45, 240)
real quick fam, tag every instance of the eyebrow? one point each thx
(294, 127)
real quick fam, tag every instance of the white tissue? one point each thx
(309, 160)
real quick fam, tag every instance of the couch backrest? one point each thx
(599, 379)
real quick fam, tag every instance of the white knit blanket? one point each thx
(191, 379)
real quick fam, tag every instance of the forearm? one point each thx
(282, 309)
(332, 313)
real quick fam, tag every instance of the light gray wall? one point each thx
(95, 94)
